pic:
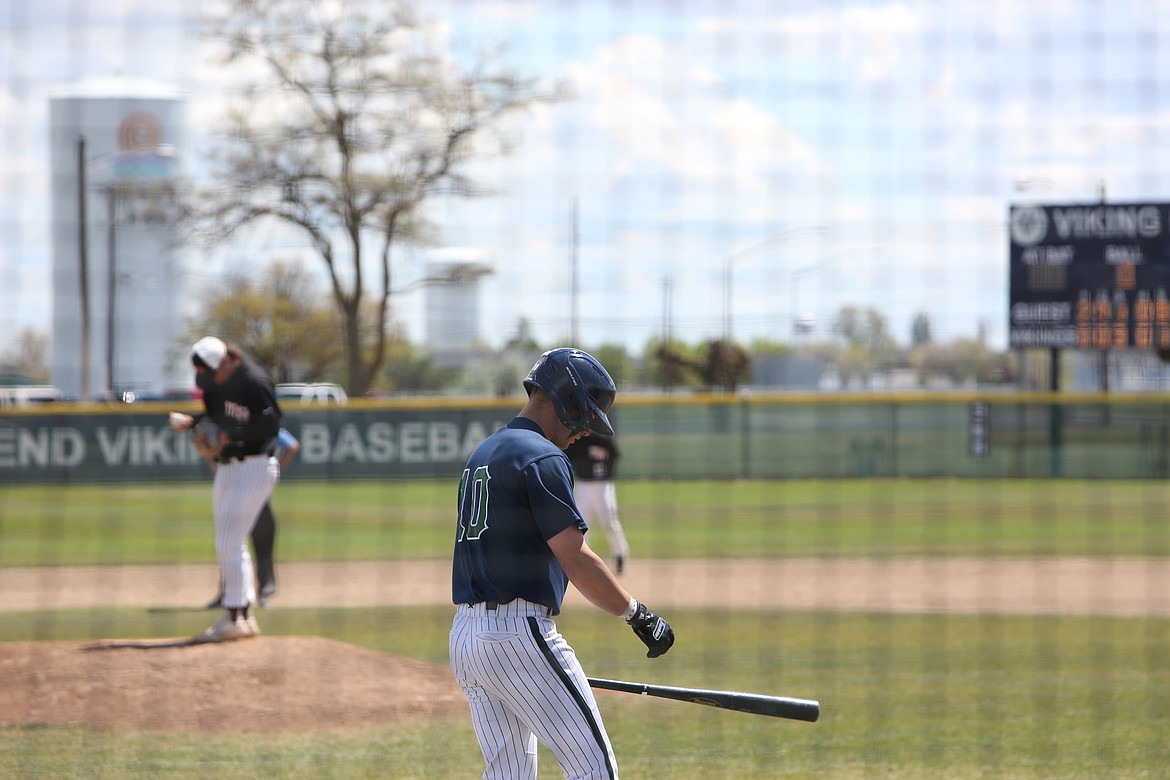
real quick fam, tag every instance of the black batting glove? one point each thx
(654, 632)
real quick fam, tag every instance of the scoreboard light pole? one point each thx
(729, 262)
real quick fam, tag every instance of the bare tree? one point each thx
(350, 119)
(279, 317)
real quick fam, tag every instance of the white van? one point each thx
(305, 394)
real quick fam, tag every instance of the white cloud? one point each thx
(703, 127)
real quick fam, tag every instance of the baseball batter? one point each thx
(240, 398)
(594, 462)
(520, 540)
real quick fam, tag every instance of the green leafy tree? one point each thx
(410, 369)
(28, 357)
(765, 347)
(523, 338)
(351, 117)
(497, 373)
(617, 362)
(920, 330)
(280, 319)
(668, 364)
(708, 366)
(962, 361)
(865, 343)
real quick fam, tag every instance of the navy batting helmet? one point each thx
(580, 388)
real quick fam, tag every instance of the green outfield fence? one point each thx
(660, 436)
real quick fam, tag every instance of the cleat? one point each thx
(225, 630)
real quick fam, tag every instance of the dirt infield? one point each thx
(1075, 586)
(293, 683)
(312, 684)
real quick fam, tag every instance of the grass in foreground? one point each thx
(902, 696)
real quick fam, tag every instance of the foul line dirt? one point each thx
(1074, 586)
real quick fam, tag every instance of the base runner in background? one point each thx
(520, 540)
(594, 460)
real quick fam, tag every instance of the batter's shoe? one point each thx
(225, 630)
(253, 625)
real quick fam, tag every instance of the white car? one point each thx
(28, 395)
(310, 393)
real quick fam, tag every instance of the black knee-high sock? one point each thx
(264, 533)
(264, 543)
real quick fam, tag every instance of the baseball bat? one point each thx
(754, 703)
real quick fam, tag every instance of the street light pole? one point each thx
(729, 262)
(794, 298)
(111, 285)
(83, 266)
(798, 273)
(667, 328)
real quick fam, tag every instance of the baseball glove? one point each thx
(205, 439)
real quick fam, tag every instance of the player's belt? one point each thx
(516, 608)
(243, 456)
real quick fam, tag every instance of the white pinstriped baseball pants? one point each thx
(240, 490)
(597, 500)
(523, 682)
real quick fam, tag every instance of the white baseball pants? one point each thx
(597, 500)
(523, 683)
(241, 489)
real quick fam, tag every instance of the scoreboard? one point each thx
(1092, 276)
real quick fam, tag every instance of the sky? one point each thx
(727, 167)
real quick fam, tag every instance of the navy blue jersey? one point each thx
(515, 494)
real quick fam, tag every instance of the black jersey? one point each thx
(594, 457)
(245, 406)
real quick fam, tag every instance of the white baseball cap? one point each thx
(209, 351)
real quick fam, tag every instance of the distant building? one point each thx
(134, 141)
(452, 309)
(789, 371)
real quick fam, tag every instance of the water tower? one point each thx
(116, 152)
(452, 303)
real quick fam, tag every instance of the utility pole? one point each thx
(111, 284)
(667, 326)
(83, 266)
(573, 288)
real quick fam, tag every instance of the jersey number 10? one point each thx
(473, 520)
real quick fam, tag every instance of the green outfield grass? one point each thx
(902, 696)
(337, 521)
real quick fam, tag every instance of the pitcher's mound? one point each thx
(264, 684)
